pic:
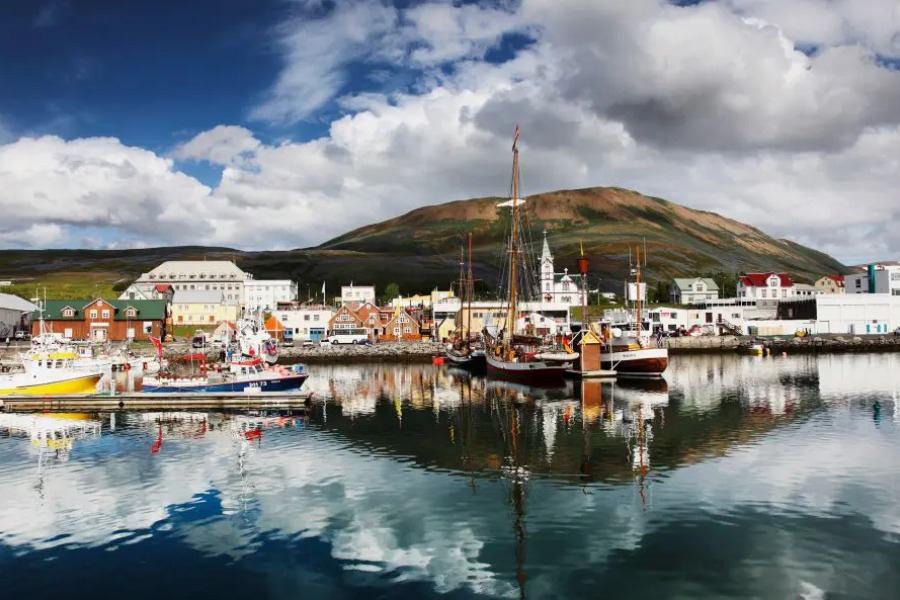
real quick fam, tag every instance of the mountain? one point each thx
(420, 250)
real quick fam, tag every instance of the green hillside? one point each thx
(420, 250)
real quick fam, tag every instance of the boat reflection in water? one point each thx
(423, 481)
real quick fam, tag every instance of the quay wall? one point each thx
(422, 352)
(812, 344)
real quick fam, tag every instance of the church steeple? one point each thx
(545, 253)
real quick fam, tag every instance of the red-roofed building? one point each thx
(765, 286)
(831, 284)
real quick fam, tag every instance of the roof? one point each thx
(198, 297)
(684, 283)
(273, 324)
(148, 310)
(163, 287)
(839, 279)
(760, 279)
(11, 302)
(191, 269)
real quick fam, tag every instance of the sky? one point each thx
(279, 124)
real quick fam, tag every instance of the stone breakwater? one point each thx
(813, 344)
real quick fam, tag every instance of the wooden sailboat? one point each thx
(634, 356)
(466, 350)
(513, 355)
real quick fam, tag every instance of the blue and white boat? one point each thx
(191, 374)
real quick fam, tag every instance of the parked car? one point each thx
(308, 344)
(22, 335)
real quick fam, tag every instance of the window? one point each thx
(93, 314)
(315, 317)
(673, 314)
(762, 293)
(784, 293)
(69, 313)
(130, 312)
(283, 317)
(396, 331)
(407, 330)
(895, 292)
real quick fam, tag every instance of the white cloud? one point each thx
(709, 105)
(48, 183)
(223, 145)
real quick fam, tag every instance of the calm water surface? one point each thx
(735, 477)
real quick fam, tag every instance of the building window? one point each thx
(284, 317)
(315, 317)
(93, 314)
(407, 330)
(130, 313)
(69, 313)
(762, 293)
(306, 317)
(396, 331)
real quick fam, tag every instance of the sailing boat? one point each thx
(466, 350)
(511, 354)
(633, 355)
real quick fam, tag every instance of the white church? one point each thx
(558, 287)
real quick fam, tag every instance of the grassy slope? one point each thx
(420, 250)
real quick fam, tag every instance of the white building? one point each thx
(857, 313)
(265, 294)
(876, 278)
(765, 286)
(192, 275)
(357, 294)
(15, 314)
(693, 290)
(307, 323)
(558, 287)
(450, 308)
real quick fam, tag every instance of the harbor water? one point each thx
(734, 477)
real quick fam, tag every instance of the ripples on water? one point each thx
(734, 477)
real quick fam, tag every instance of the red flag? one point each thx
(516, 137)
(158, 343)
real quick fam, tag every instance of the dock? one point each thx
(147, 401)
(597, 374)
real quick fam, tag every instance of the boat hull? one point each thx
(645, 362)
(472, 361)
(281, 384)
(77, 384)
(525, 372)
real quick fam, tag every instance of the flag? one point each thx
(581, 245)
(516, 137)
(158, 343)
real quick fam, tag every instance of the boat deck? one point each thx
(144, 401)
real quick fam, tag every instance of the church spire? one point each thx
(545, 253)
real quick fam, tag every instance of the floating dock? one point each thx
(148, 401)
(598, 374)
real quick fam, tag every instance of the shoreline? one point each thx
(424, 352)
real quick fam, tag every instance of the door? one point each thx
(99, 334)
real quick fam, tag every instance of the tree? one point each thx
(391, 291)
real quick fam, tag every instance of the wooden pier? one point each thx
(147, 401)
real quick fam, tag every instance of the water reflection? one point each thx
(731, 478)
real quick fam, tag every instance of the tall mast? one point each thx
(461, 289)
(513, 244)
(638, 262)
(470, 284)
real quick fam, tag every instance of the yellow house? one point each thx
(425, 300)
(446, 328)
(202, 308)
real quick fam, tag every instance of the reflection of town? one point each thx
(583, 431)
